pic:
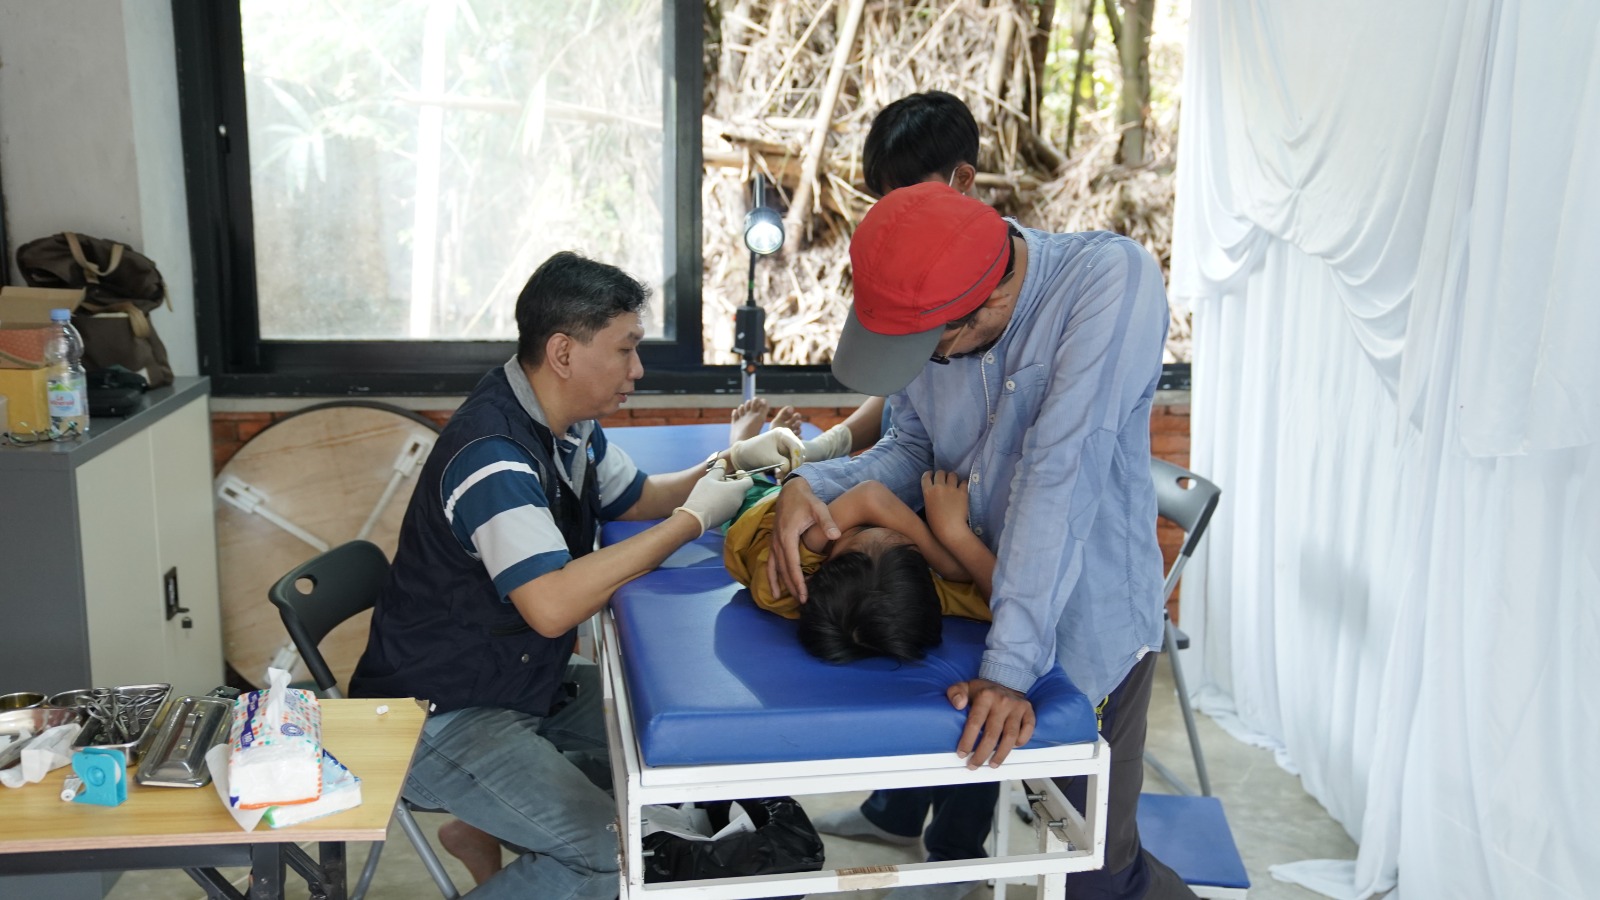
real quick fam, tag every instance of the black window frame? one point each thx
(211, 91)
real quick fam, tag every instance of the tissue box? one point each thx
(275, 748)
(341, 790)
(25, 328)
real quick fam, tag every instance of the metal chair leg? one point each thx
(425, 851)
(367, 871)
(1171, 643)
(1169, 646)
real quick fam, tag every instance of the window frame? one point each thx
(211, 91)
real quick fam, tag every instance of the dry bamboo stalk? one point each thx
(806, 290)
(995, 81)
(800, 206)
(798, 46)
(934, 29)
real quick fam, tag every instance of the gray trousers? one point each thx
(1130, 872)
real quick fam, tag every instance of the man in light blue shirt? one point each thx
(1028, 362)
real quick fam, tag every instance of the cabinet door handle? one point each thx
(169, 594)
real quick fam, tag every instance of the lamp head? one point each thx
(763, 230)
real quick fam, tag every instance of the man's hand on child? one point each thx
(998, 719)
(796, 511)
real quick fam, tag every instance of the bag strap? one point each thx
(91, 272)
(138, 322)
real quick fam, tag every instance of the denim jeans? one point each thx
(538, 784)
(962, 815)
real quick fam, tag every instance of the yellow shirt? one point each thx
(748, 543)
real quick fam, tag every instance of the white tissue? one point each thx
(217, 762)
(275, 747)
(51, 750)
(341, 790)
(691, 822)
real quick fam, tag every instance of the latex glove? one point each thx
(830, 444)
(715, 497)
(773, 447)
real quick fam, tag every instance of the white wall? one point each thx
(89, 138)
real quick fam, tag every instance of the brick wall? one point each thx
(1169, 437)
(1169, 440)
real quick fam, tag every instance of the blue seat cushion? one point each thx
(1191, 835)
(714, 679)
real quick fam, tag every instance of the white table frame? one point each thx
(1067, 841)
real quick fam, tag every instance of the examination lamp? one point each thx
(763, 230)
(763, 235)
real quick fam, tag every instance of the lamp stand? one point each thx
(749, 334)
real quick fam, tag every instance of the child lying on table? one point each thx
(883, 587)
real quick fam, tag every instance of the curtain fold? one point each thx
(1388, 229)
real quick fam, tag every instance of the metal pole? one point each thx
(750, 329)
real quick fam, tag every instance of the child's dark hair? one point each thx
(915, 136)
(861, 605)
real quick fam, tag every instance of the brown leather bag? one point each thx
(116, 280)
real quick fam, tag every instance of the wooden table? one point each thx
(166, 828)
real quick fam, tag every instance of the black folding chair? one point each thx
(314, 598)
(1189, 833)
(1186, 500)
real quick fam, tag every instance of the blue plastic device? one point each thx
(105, 776)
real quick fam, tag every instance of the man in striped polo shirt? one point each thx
(496, 567)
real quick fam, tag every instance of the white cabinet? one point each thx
(91, 535)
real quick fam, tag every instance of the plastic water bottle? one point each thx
(66, 384)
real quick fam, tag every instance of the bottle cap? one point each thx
(60, 315)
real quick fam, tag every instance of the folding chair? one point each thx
(1186, 500)
(343, 582)
(1189, 833)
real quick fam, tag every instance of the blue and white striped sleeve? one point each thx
(499, 513)
(620, 480)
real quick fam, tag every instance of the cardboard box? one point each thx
(25, 323)
(28, 406)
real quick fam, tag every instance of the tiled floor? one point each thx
(1273, 821)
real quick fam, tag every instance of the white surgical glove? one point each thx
(830, 444)
(773, 447)
(715, 497)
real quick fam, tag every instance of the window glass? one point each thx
(413, 161)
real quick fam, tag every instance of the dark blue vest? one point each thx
(440, 630)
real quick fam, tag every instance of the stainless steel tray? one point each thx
(173, 751)
(116, 718)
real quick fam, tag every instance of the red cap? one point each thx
(924, 255)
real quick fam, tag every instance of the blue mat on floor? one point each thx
(1191, 835)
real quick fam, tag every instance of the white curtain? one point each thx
(1388, 228)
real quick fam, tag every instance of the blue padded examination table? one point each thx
(711, 698)
(713, 678)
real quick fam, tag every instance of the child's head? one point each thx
(873, 596)
(917, 137)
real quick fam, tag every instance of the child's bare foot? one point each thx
(747, 419)
(787, 418)
(478, 850)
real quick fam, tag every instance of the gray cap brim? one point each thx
(881, 364)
